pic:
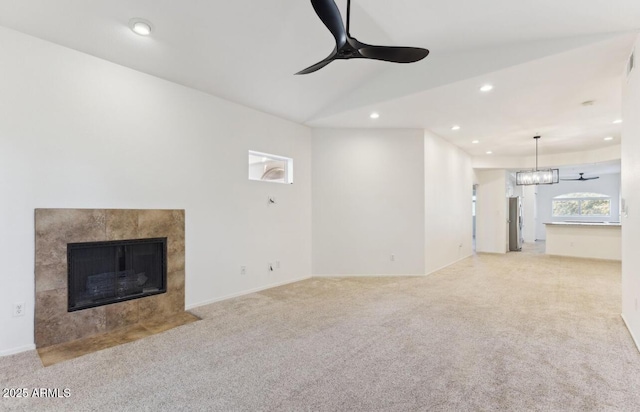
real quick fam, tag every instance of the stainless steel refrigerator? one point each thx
(515, 224)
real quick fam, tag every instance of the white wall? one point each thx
(368, 202)
(608, 184)
(491, 211)
(80, 132)
(631, 194)
(529, 213)
(448, 198)
(513, 190)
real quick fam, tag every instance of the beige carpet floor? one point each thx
(518, 332)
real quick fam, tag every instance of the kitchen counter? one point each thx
(603, 224)
(595, 240)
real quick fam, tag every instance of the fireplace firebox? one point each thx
(101, 273)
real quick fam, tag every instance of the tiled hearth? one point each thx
(115, 323)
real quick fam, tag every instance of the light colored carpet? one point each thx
(518, 332)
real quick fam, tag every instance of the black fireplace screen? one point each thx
(101, 273)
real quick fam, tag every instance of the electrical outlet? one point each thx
(243, 270)
(277, 264)
(18, 309)
(393, 257)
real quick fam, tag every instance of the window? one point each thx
(581, 204)
(270, 168)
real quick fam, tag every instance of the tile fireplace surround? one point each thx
(57, 227)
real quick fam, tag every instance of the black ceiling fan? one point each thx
(348, 47)
(583, 179)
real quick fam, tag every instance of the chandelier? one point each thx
(537, 177)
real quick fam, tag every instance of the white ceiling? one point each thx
(544, 57)
(591, 169)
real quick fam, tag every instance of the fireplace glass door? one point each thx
(100, 273)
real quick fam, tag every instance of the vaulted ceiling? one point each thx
(543, 57)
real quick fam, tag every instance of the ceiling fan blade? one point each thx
(394, 54)
(348, 47)
(318, 65)
(583, 179)
(330, 15)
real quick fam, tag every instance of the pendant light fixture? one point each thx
(537, 177)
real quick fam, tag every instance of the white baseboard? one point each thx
(585, 258)
(26, 348)
(17, 350)
(393, 274)
(367, 276)
(245, 292)
(636, 341)
(450, 264)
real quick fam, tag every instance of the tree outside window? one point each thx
(581, 204)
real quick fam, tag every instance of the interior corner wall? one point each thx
(80, 132)
(631, 198)
(368, 202)
(448, 203)
(491, 211)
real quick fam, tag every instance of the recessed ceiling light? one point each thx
(374, 115)
(476, 141)
(608, 138)
(454, 128)
(618, 121)
(489, 152)
(486, 88)
(140, 26)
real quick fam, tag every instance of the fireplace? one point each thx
(101, 273)
(56, 229)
